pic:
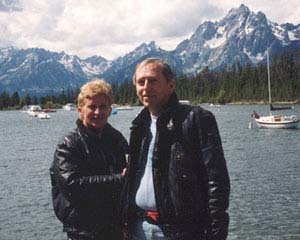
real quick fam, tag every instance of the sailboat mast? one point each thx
(269, 82)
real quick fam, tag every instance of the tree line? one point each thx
(245, 84)
(234, 83)
(14, 101)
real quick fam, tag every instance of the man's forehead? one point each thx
(150, 67)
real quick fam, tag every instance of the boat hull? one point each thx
(43, 116)
(124, 108)
(69, 107)
(278, 125)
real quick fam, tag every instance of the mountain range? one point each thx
(241, 36)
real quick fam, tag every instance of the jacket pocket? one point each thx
(182, 181)
(63, 209)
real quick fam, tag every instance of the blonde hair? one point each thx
(93, 88)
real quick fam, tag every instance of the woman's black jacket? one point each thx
(191, 181)
(86, 180)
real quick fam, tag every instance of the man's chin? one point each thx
(98, 126)
(147, 103)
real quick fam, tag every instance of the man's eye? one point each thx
(141, 82)
(103, 107)
(153, 80)
(92, 107)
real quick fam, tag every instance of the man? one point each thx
(177, 184)
(88, 169)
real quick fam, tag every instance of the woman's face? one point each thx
(95, 111)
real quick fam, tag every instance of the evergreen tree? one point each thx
(26, 100)
(4, 100)
(15, 99)
(35, 100)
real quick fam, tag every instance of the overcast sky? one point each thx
(112, 28)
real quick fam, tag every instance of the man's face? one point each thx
(95, 112)
(152, 87)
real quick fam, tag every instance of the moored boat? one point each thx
(48, 110)
(186, 102)
(69, 107)
(34, 110)
(124, 108)
(275, 121)
(114, 111)
(43, 115)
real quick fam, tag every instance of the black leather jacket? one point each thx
(86, 179)
(191, 181)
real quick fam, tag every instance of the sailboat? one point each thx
(275, 121)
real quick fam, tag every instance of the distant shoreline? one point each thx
(262, 103)
(230, 103)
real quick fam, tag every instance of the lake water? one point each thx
(264, 167)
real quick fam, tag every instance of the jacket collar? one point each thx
(87, 132)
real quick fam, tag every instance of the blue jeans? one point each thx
(142, 230)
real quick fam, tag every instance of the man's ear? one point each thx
(110, 110)
(172, 84)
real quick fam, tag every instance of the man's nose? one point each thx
(147, 84)
(97, 110)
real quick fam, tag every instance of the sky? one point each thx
(112, 28)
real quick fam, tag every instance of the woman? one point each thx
(88, 169)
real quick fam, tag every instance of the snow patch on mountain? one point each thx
(255, 59)
(90, 70)
(292, 36)
(215, 42)
(67, 61)
(278, 32)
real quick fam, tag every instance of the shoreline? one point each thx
(229, 103)
(261, 103)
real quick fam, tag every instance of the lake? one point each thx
(264, 168)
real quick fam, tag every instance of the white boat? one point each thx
(214, 105)
(123, 108)
(69, 107)
(185, 102)
(43, 115)
(275, 121)
(34, 110)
